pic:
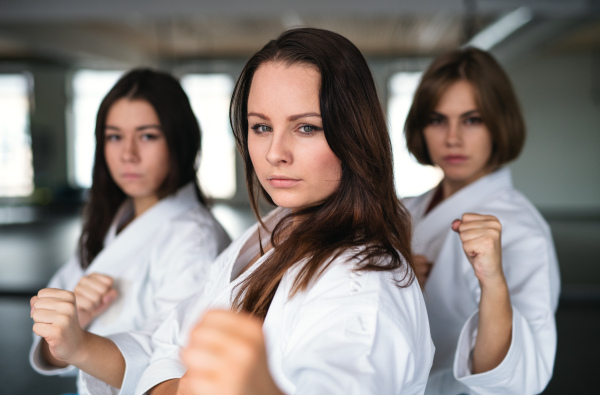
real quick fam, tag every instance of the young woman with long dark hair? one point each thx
(148, 237)
(485, 254)
(319, 296)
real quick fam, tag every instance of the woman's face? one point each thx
(287, 145)
(457, 139)
(135, 148)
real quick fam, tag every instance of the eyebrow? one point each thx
(138, 129)
(466, 114)
(290, 118)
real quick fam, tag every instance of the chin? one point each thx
(291, 204)
(135, 192)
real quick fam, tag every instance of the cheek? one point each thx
(431, 142)
(254, 150)
(160, 158)
(110, 156)
(328, 165)
(484, 145)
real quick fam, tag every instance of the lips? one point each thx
(455, 159)
(131, 176)
(282, 181)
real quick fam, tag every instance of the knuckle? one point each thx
(70, 309)
(70, 296)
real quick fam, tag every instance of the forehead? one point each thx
(130, 110)
(458, 96)
(276, 84)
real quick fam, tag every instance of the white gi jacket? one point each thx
(452, 291)
(159, 259)
(349, 333)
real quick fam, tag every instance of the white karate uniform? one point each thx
(349, 333)
(452, 291)
(159, 259)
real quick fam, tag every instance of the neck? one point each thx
(449, 187)
(142, 204)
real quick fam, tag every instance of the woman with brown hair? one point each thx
(318, 297)
(486, 258)
(148, 237)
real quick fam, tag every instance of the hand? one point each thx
(227, 355)
(422, 268)
(480, 236)
(55, 315)
(94, 294)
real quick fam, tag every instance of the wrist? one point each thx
(80, 355)
(496, 282)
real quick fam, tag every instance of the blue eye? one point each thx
(260, 128)
(309, 129)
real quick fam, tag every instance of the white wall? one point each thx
(559, 169)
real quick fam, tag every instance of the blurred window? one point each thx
(16, 168)
(89, 88)
(411, 177)
(209, 96)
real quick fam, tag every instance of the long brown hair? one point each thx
(494, 97)
(364, 212)
(182, 133)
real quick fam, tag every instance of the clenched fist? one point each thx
(54, 313)
(94, 293)
(480, 236)
(227, 356)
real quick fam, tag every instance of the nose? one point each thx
(454, 134)
(279, 151)
(129, 153)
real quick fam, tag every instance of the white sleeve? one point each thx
(136, 350)
(65, 278)
(151, 358)
(357, 353)
(527, 367)
(166, 345)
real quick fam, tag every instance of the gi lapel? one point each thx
(436, 224)
(138, 234)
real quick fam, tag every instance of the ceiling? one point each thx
(149, 31)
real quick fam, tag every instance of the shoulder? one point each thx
(519, 218)
(412, 202)
(195, 225)
(185, 241)
(379, 293)
(366, 314)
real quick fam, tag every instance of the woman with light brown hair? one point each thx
(485, 256)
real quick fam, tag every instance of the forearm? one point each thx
(494, 331)
(101, 358)
(168, 387)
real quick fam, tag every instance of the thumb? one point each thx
(31, 303)
(456, 224)
(108, 299)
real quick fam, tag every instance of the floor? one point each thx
(35, 242)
